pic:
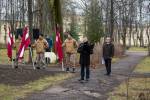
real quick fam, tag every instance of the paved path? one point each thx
(97, 88)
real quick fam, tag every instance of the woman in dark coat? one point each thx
(85, 49)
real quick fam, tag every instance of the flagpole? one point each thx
(32, 58)
(12, 63)
(9, 44)
(62, 65)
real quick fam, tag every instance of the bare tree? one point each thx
(58, 16)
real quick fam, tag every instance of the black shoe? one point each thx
(107, 74)
(44, 66)
(35, 63)
(67, 69)
(16, 67)
(81, 80)
(73, 70)
(87, 80)
(37, 67)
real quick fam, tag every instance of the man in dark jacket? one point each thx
(108, 53)
(85, 49)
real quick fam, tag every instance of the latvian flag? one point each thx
(10, 43)
(58, 46)
(25, 43)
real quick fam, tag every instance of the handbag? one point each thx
(103, 61)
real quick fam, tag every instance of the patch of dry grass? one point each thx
(134, 87)
(5, 60)
(144, 66)
(138, 49)
(16, 92)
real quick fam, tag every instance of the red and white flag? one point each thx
(10, 42)
(25, 43)
(58, 46)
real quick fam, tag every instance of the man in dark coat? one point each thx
(108, 53)
(85, 49)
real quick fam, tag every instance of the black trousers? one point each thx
(85, 71)
(108, 65)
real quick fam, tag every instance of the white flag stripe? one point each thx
(25, 42)
(56, 38)
(27, 36)
(22, 52)
(9, 40)
(11, 35)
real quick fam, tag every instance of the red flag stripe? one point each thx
(25, 42)
(10, 43)
(58, 46)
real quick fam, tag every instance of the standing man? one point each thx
(70, 45)
(85, 49)
(40, 46)
(108, 53)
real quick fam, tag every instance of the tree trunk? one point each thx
(30, 21)
(0, 16)
(134, 34)
(140, 24)
(112, 19)
(58, 16)
(141, 37)
(107, 17)
(40, 14)
(124, 43)
(149, 48)
(134, 40)
(148, 36)
(130, 32)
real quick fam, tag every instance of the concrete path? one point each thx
(99, 85)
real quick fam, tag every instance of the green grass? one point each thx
(136, 85)
(14, 92)
(138, 49)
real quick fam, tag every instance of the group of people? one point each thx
(40, 45)
(85, 49)
(71, 48)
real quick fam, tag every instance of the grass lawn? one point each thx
(134, 86)
(9, 92)
(5, 60)
(144, 66)
(138, 49)
(15, 92)
(115, 59)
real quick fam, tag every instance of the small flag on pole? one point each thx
(58, 46)
(10, 42)
(25, 43)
